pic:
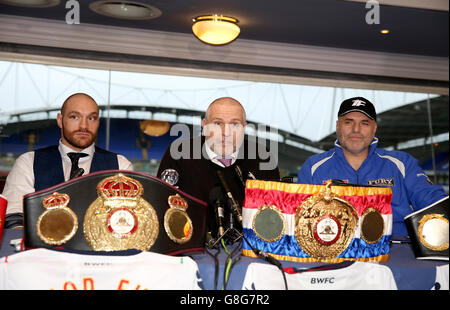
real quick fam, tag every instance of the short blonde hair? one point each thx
(64, 105)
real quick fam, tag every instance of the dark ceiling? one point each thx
(331, 23)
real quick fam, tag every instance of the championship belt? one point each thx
(428, 230)
(317, 223)
(112, 211)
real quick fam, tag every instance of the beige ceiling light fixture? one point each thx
(31, 3)
(215, 29)
(125, 9)
(154, 128)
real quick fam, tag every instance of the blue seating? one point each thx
(124, 139)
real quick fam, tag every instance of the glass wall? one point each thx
(32, 94)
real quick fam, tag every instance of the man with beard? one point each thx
(36, 170)
(357, 159)
(222, 150)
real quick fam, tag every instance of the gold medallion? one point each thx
(372, 226)
(325, 224)
(57, 224)
(433, 232)
(120, 218)
(269, 223)
(177, 223)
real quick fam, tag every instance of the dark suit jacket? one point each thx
(198, 177)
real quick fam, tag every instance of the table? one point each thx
(409, 273)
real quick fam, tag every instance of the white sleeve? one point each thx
(20, 181)
(124, 164)
(442, 277)
(3, 274)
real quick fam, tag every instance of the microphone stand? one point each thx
(234, 234)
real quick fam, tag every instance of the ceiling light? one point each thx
(384, 31)
(32, 3)
(154, 128)
(215, 29)
(125, 9)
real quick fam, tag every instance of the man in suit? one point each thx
(194, 165)
(75, 155)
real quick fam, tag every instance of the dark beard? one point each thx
(68, 136)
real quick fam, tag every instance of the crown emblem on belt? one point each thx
(56, 200)
(178, 202)
(120, 186)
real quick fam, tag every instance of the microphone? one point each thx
(79, 172)
(216, 197)
(234, 204)
(170, 176)
(239, 173)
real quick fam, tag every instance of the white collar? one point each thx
(64, 149)
(213, 155)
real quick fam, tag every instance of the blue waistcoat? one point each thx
(48, 170)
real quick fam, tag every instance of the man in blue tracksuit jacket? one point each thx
(355, 159)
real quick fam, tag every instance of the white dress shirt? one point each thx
(213, 156)
(20, 180)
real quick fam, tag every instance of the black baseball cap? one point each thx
(358, 104)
